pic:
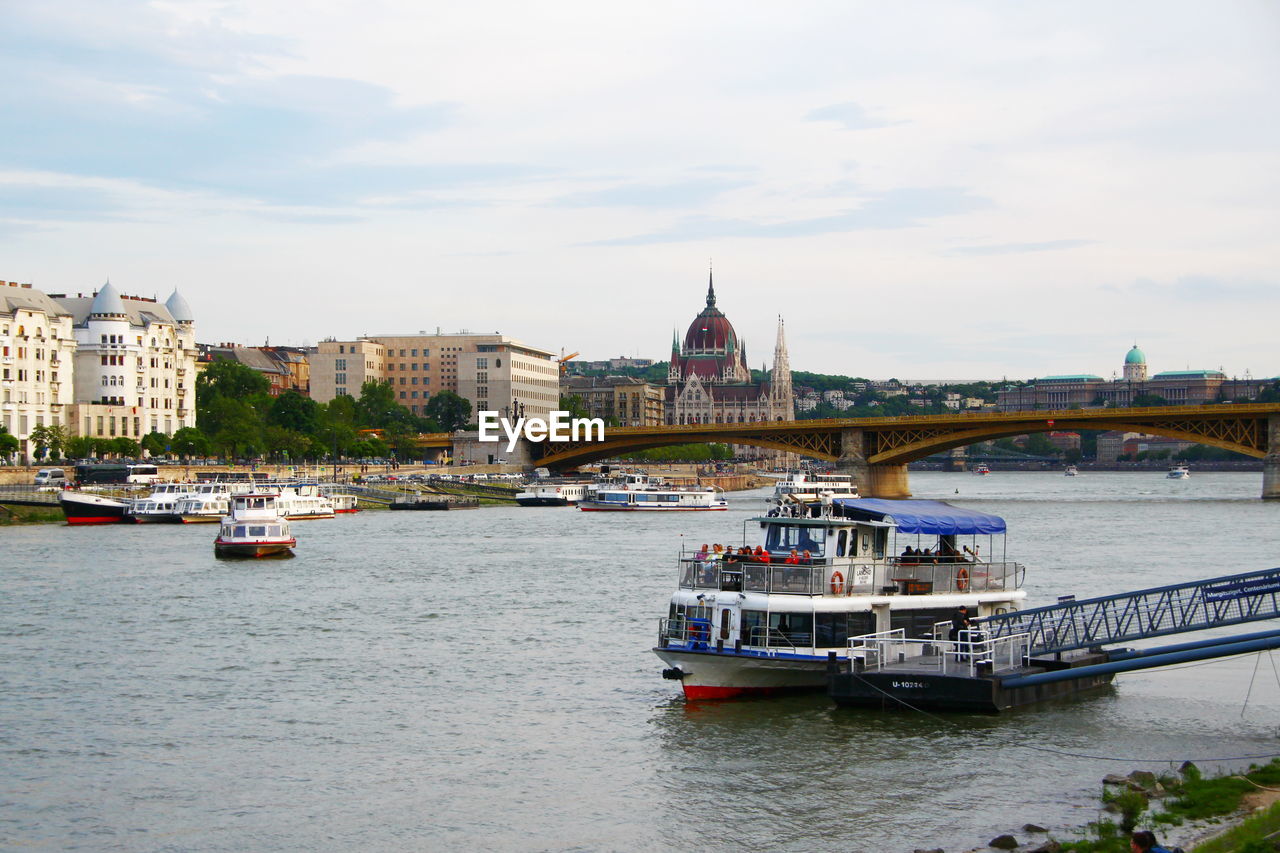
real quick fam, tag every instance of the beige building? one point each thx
(492, 371)
(135, 364)
(628, 401)
(341, 367)
(37, 358)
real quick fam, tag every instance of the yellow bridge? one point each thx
(876, 450)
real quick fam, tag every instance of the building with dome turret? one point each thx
(135, 364)
(708, 380)
(1133, 387)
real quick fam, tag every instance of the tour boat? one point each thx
(1071, 471)
(161, 506)
(86, 508)
(982, 470)
(211, 501)
(302, 501)
(638, 492)
(1179, 472)
(555, 493)
(809, 487)
(765, 622)
(208, 503)
(254, 528)
(344, 503)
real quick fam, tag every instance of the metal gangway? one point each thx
(1145, 613)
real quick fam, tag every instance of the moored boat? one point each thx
(86, 508)
(254, 528)
(344, 503)
(160, 507)
(1179, 472)
(636, 492)
(742, 624)
(553, 493)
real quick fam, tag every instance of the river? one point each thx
(484, 680)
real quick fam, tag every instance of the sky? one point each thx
(922, 190)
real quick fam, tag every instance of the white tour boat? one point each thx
(1071, 471)
(161, 506)
(1179, 472)
(552, 493)
(635, 492)
(810, 487)
(254, 528)
(208, 503)
(981, 470)
(302, 501)
(764, 622)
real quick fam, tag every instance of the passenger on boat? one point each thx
(947, 550)
(760, 554)
(959, 622)
(806, 559)
(701, 556)
(793, 559)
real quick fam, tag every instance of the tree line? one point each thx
(237, 418)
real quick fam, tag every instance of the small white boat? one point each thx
(1179, 472)
(982, 470)
(1071, 471)
(254, 529)
(555, 493)
(803, 487)
(344, 503)
(160, 507)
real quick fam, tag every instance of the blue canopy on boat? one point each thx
(928, 517)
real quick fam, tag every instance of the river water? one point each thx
(483, 680)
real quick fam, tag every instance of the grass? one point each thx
(1191, 798)
(10, 515)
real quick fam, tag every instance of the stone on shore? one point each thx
(1003, 842)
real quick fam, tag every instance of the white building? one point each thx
(135, 364)
(37, 349)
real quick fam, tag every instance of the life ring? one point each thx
(837, 583)
(962, 578)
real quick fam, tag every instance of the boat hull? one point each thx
(253, 549)
(80, 508)
(730, 675)
(543, 501)
(587, 506)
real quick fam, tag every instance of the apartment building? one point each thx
(135, 364)
(628, 401)
(37, 362)
(492, 371)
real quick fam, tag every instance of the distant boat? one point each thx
(983, 470)
(1179, 472)
(1071, 471)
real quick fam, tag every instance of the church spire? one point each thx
(780, 398)
(711, 289)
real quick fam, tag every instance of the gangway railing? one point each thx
(1155, 612)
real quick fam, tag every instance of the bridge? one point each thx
(876, 450)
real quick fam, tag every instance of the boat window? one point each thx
(832, 630)
(752, 631)
(726, 621)
(842, 541)
(240, 530)
(795, 627)
(784, 537)
(917, 624)
(258, 530)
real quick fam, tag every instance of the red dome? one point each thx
(710, 330)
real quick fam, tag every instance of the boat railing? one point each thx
(974, 652)
(890, 577)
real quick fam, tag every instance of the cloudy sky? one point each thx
(921, 189)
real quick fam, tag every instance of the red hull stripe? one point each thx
(695, 693)
(97, 519)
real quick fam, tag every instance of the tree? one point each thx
(156, 443)
(229, 379)
(448, 410)
(188, 442)
(78, 447)
(1149, 399)
(48, 439)
(9, 443)
(573, 404)
(295, 412)
(125, 447)
(376, 404)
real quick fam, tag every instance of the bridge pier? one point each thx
(874, 481)
(1271, 462)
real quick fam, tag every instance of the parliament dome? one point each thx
(710, 332)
